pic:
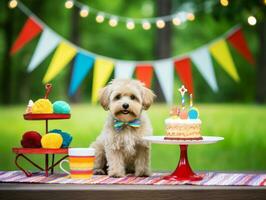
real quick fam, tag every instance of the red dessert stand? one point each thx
(183, 171)
(20, 152)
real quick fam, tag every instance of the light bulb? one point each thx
(113, 22)
(146, 25)
(224, 2)
(160, 23)
(69, 4)
(176, 21)
(84, 12)
(12, 4)
(252, 20)
(100, 18)
(130, 25)
(190, 16)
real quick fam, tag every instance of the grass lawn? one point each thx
(242, 126)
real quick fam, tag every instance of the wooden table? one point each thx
(128, 192)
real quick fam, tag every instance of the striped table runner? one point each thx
(210, 178)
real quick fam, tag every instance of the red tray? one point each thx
(45, 116)
(39, 151)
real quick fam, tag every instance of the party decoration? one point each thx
(67, 138)
(82, 66)
(42, 106)
(31, 139)
(182, 91)
(144, 74)
(47, 43)
(102, 71)
(183, 69)
(164, 72)
(61, 107)
(124, 69)
(183, 114)
(220, 51)
(63, 55)
(193, 113)
(202, 60)
(29, 107)
(238, 41)
(29, 31)
(52, 141)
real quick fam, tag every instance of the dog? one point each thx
(120, 149)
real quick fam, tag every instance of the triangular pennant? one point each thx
(238, 41)
(221, 53)
(47, 43)
(82, 65)
(124, 69)
(63, 55)
(144, 73)
(30, 30)
(164, 71)
(202, 60)
(183, 69)
(102, 70)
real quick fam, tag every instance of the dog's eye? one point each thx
(132, 97)
(117, 97)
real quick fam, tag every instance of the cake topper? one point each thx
(182, 91)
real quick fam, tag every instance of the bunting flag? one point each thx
(221, 53)
(102, 71)
(82, 66)
(183, 69)
(202, 60)
(47, 43)
(164, 71)
(124, 69)
(29, 31)
(144, 73)
(63, 55)
(238, 41)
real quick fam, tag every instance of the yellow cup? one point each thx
(81, 162)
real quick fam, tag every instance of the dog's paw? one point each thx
(142, 173)
(99, 172)
(116, 174)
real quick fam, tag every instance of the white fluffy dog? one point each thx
(120, 148)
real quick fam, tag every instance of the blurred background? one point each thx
(236, 111)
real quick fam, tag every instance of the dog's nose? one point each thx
(125, 105)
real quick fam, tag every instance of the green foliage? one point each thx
(241, 125)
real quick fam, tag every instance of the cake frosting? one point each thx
(183, 123)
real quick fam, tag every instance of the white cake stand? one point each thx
(183, 171)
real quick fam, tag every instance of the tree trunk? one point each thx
(6, 73)
(75, 38)
(261, 64)
(163, 40)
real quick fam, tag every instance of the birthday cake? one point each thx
(183, 124)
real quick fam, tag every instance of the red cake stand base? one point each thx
(183, 171)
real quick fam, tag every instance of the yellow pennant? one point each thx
(221, 53)
(63, 55)
(101, 73)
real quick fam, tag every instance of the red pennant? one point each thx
(238, 41)
(30, 30)
(183, 69)
(144, 74)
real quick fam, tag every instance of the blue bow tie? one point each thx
(118, 125)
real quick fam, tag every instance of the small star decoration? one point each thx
(182, 90)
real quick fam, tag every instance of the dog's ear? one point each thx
(147, 97)
(104, 94)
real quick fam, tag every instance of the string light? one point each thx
(146, 25)
(130, 25)
(84, 12)
(252, 20)
(190, 16)
(160, 23)
(100, 18)
(13, 4)
(176, 21)
(264, 2)
(69, 4)
(113, 22)
(224, 2)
